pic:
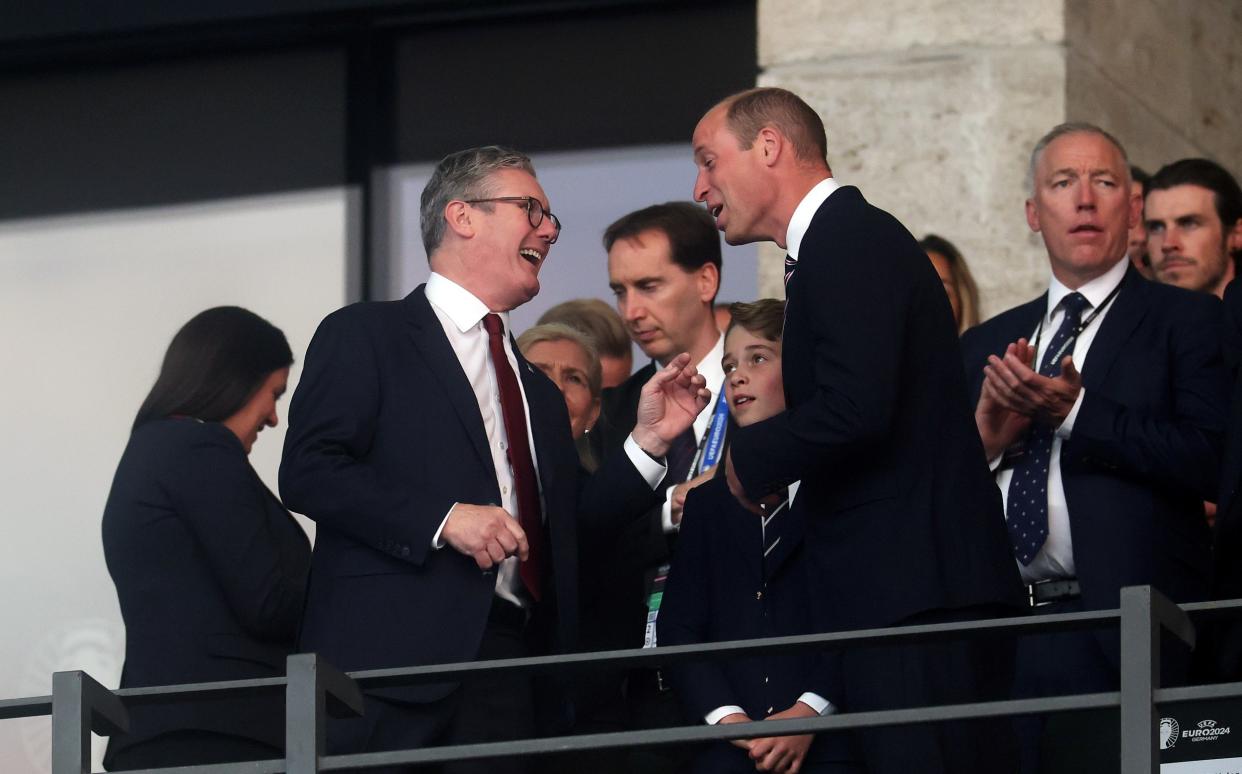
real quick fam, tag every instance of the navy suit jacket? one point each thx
(720, 588)
(902, 516)
(384, 436)
(210, 572)
(1146, 443)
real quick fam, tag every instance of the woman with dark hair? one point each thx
(209, 567)
(955, 274)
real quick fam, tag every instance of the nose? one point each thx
(1085, 196)
(700, 186)
(630, 310)
(272, 419)
(737, 377)
(1170, 243)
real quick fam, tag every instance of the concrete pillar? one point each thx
(932, 106)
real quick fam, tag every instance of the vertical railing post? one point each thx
(81, 705)
(311, 684)
(1145, 613)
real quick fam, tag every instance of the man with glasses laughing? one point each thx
(439, 469)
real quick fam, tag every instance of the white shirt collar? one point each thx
(460, 305)
(1094, 291)
(710, 367)
(805, 211)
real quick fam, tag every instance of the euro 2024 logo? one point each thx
(1169, 732)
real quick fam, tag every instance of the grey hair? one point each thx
(1061, 130)
(463, 175)
(561, 332)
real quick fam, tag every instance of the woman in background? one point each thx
(958, 284)
(569, 359)
(209, 567)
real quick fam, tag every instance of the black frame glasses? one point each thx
(534, 211)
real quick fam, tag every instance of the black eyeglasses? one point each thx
(534, 211)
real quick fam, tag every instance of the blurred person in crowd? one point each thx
(603, 325)
(1137, 250)
(664, 268)
(1193, 214)
(567, 356)
(877, 429)
(209, 568)
(440, 469)
(1101, 408)
(955, 275)
(742, 576)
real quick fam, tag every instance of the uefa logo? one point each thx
(1169, 732)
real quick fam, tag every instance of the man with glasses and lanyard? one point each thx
(1101, 407)
(439, 468)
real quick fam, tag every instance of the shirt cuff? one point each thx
(436, 542)
(651, 471)
(1067, 427)
(718, 714)
(666, 513)
(817, 703)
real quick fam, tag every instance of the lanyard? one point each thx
(708, 453)
(1082, 326)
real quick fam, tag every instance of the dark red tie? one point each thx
(530, 515)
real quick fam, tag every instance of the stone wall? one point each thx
(932, 107)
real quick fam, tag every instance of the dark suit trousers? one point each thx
(189, 748)
(492, 707)
(1067, 663)
(924, 674)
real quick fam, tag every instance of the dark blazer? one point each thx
(209, 570)
(1146, 443)
(902, 516)
(616, 567)
(720, 589)
(384, 436)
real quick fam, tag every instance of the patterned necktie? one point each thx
(1026, 510)
(772, 523)
(791, 263)
(530, 516)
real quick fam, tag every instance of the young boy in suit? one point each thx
(740, 575)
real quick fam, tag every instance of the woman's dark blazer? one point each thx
(210, 571)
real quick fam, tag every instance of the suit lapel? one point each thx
(427, 336)
(535, 400)
(1127, 311)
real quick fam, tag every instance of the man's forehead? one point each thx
(1183, 197)
(1082, 151)
(516, 182)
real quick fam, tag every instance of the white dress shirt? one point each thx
(804, 213)
(1056, 558)
(461, 315)
(713, 374)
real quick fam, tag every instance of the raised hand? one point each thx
(668, 404)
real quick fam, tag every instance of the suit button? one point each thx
(765, 680)
(405, 550)
(758, 595)
(771, 710)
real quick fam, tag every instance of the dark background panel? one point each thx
(170, 132)
(570, 80)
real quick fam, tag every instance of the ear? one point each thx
(771, 144)
(1233, 240)
(1032, 217)
(708, 278)
(1136, 209)
(458, 216)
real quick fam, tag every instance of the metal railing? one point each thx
(315, 690)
